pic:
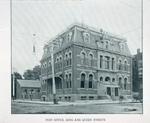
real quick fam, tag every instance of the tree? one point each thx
(32, 74)
(37, 72)
(17, 75)
(28, 74)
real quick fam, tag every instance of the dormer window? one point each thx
(102, 44)
(86, 37)
(69, 36)
(106, 44)
(60, 42)
(121, 46)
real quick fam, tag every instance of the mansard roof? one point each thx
(98, 32)
(86, 27)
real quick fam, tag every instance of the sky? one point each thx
(38, 21)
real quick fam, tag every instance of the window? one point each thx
(25, 91)
(101, 79)
(102, 44)
(86, 37)
(83, 57)
(67, 62)
(69, 98)
(32, 91)
(125, 65)
(112, 65)
(107, 62)
(91, 97)
(109, 91)
(107, 79)
(90, 80)
(57, 60)
(60, 42)
(67, 83)
(83, 97)
(120, 65)
(106, 44)
(70, 80)
(82, 80)
(91, 59)
(113, 79)
(120, 82)
(125, 83)
(70, 59)
(57, 63)
(66, 98)
(69, 36)
(116, 92)
(101, 61)
(60, 62)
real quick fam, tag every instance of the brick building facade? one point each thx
(138, 73)
(88, 64)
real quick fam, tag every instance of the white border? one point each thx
(5, 101)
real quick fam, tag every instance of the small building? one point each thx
(28, 89)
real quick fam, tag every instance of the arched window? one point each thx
(60, 59)
(102, 44)
(70, 58)
(66, 58)
(57, 63)
(107, 79)
(106, 44)
(107, 60)
(91, 59)
(101, 61)
(90, 80)
(83, 57)
(112, 64)
(125, 83)
(125, 65)
(120, 65)
(70, 80)
(82, 80)
(120, 82)
(57, 59)
(67, 82)
(101, 79)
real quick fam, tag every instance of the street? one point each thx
(118, 108)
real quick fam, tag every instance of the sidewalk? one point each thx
(80, 102)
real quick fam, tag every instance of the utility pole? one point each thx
(13, 85)
(53, 74)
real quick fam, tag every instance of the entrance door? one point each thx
(109, 91)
